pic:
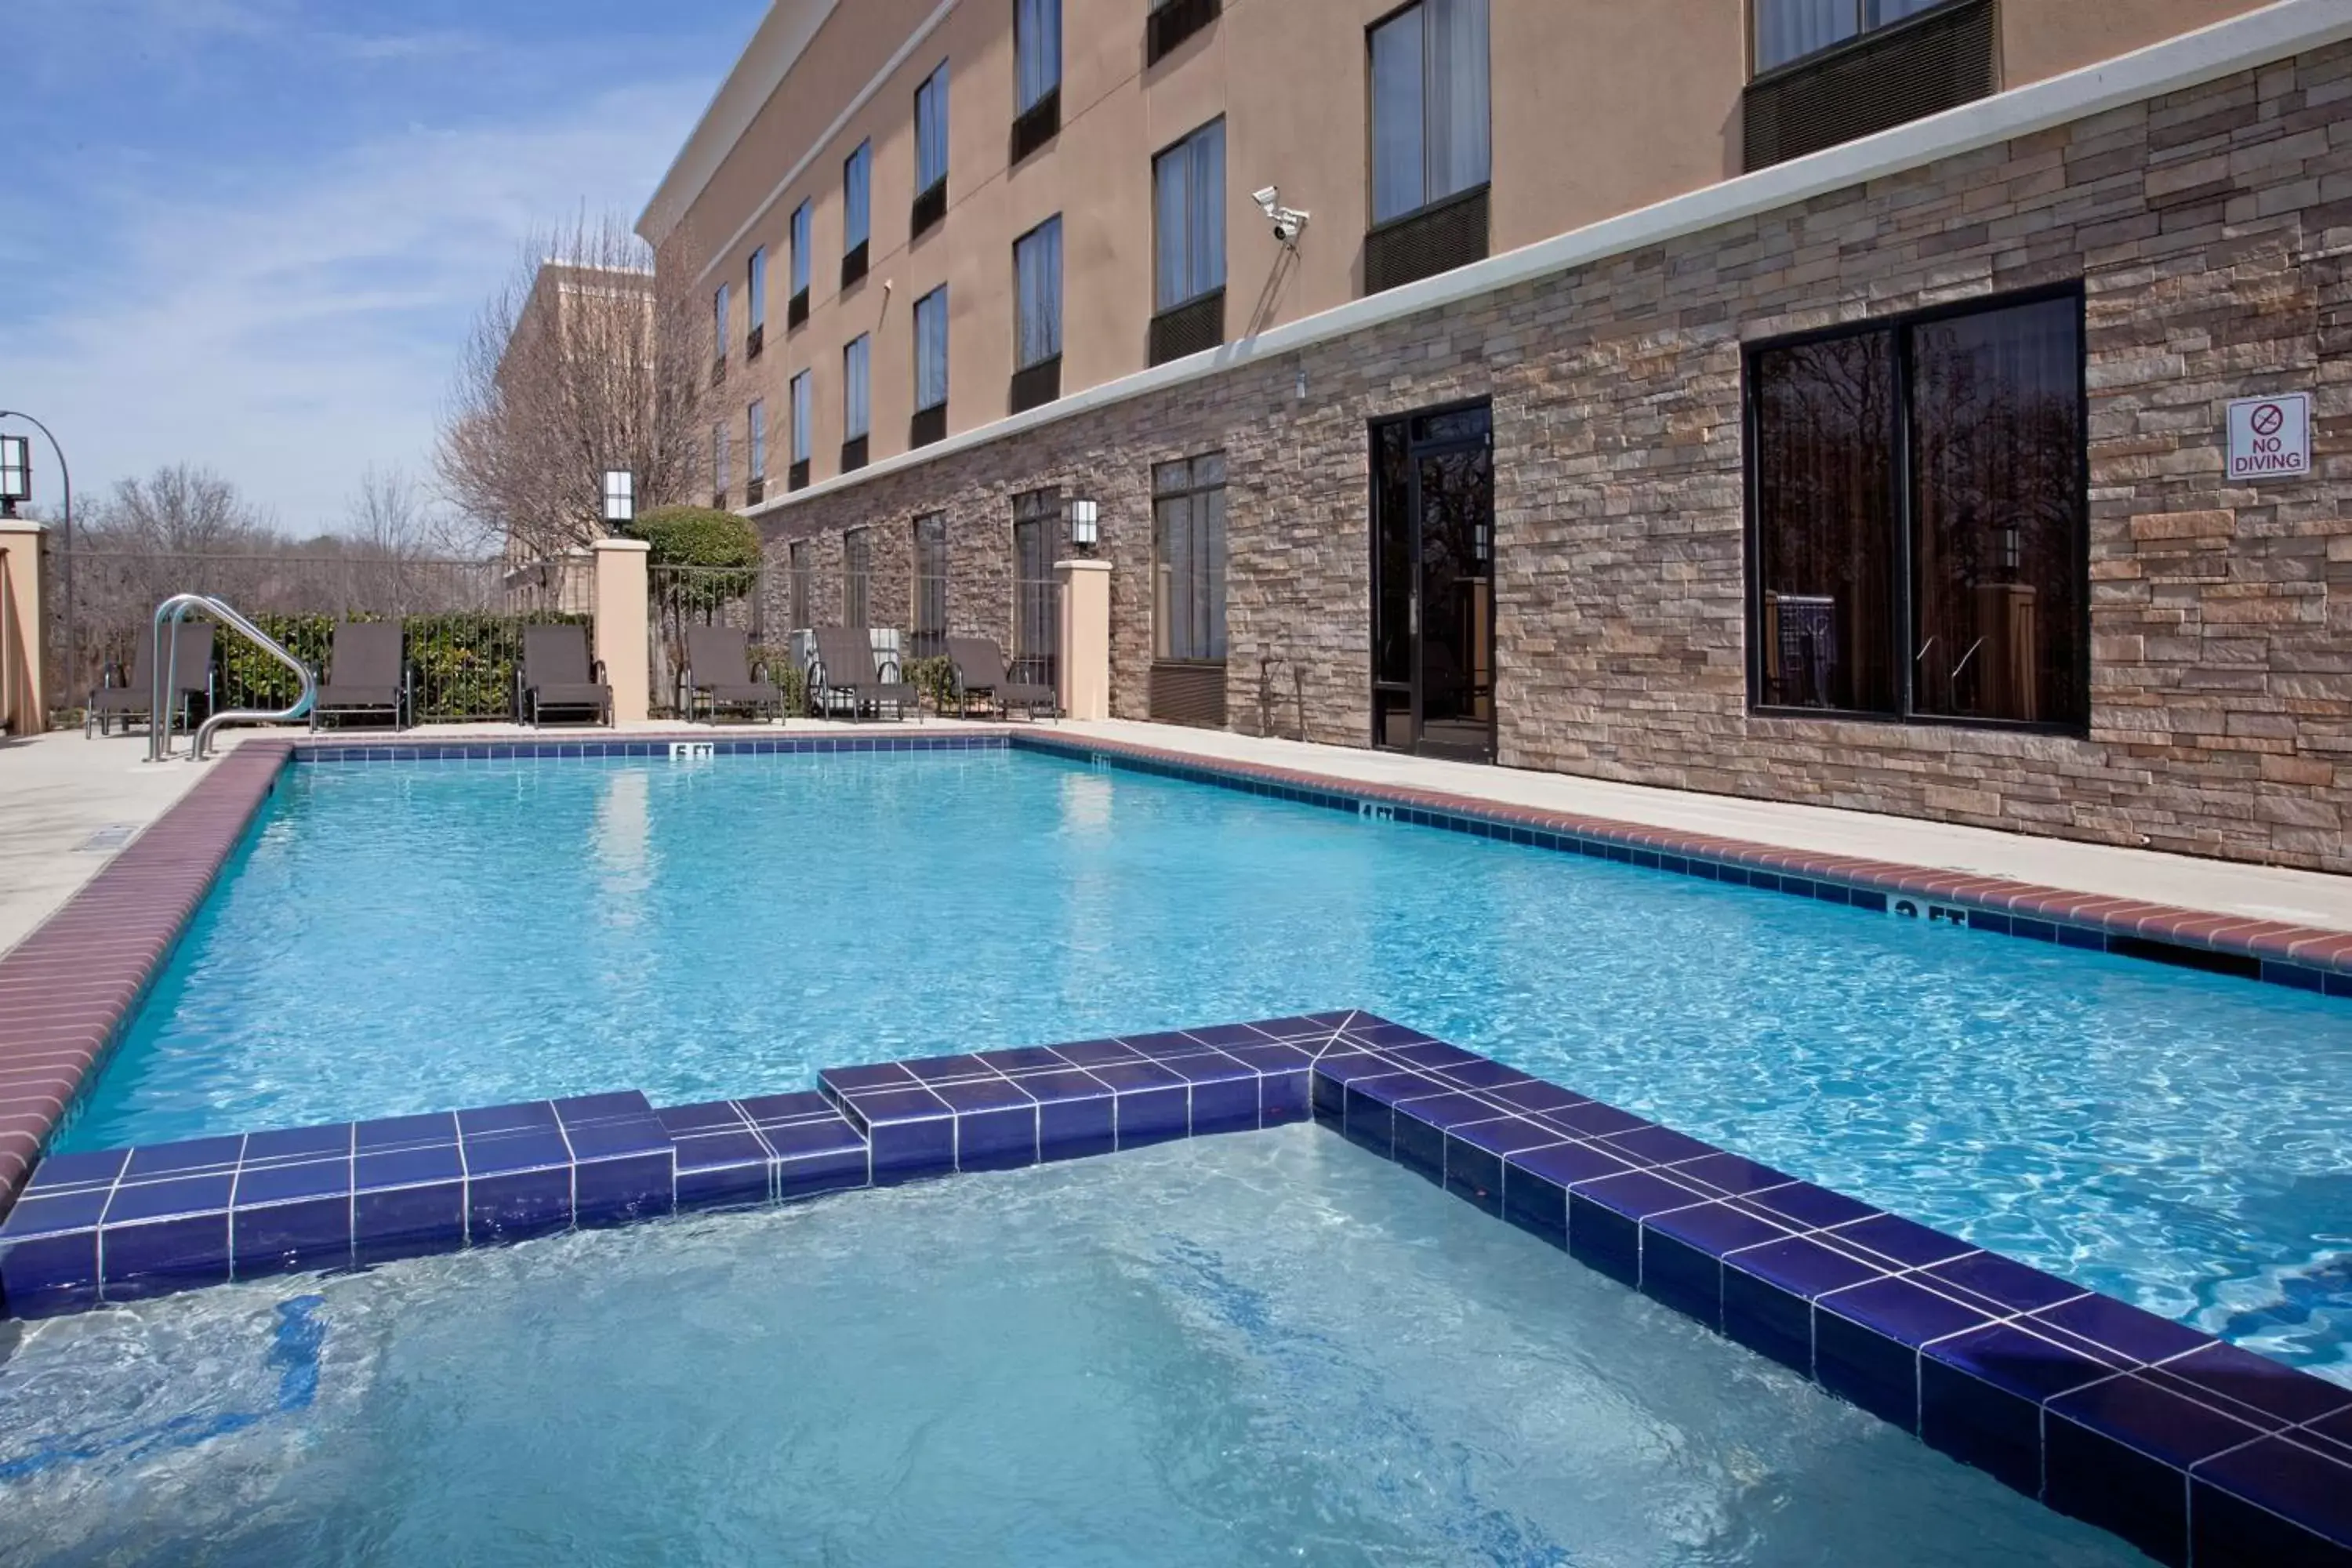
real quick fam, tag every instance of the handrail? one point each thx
(167, 677)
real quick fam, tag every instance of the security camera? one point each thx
(1289, 223)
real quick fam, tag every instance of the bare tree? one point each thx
(576, 365)
(179, 510)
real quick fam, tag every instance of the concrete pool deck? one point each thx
(58, 792)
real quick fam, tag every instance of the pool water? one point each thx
(411, 937)
(1265, 1348)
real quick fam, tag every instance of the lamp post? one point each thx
(65, 475)
(620, 491)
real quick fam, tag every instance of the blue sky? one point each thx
(251, 233)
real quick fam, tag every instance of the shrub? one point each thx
(784, 675)
(465, 662)
(935, 679)
(701, 557)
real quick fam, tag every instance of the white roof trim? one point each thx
(775, 47)
(2243, 43)
(840, 123)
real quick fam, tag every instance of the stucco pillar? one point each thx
(1084, 650)
(621, 640)
(23, 706)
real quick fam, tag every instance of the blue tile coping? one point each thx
(2187, 1447)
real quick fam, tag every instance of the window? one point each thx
(856, 212)
(1188, 184)
(803, 435)
(853, 387)
(1037, 273)
(718, 465)
(1790, 29)
(931, 421)
(929, 610)
(1188, 526)
(719, 332)
(755, 292)
(796, 563)
(1036, 520)
(755, 419)
(1918, 515)
(931, 349)
(1037, 51)
(797, 312)
(932, 130)
(854, 402)
(856, 577)
(1430, 132)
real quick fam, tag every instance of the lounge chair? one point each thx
(845, 674)
(132, 700)
(980, 672)
(556, 673)
(366, 676)
(719, 672)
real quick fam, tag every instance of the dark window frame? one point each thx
(928, 588)
(857, 576)
(1862, 35)
(1191, 491)
(1900, 327)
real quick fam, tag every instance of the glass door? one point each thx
(1433, 584)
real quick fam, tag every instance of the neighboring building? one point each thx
(601, 315)
(1817, 400)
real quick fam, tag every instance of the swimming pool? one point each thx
(1258, 1349)
(415, 936)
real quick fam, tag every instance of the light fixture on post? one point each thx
(620, 499)
(15, 473)
(1086, 524)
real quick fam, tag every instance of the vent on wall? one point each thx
(928, 425)
(1038, 125)
(1937, 61)
(853, 264)
(1035, 386)
(929, 209)
(797, 312)
(796, 478)
(1437, 239)
(1190, 328)
(1171, 23)
(853, 455)
(1189, 694)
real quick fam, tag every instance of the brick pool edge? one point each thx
(68, 989)
(2187, 1447)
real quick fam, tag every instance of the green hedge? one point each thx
(786, 676)
(465, 663)
(935, 679)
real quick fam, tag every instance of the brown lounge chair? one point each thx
(556, 673)
(131, 702)
(845, 674)
(980, 672)
(718, 674)
(366, 676)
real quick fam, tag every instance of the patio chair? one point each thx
(980, 672)
(845, 673)
(720, 673)
(556, 673)
(366, 676)
(131, 700)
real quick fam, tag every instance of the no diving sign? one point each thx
(2270, 438)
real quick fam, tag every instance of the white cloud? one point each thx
(292, 335)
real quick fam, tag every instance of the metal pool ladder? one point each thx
(170, 613)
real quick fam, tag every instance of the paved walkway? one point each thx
(58, 792)
(2260, 892)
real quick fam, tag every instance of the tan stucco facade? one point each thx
(1598, 107)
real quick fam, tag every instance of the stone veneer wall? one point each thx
(2212, 230)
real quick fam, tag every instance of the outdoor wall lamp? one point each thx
(620, 499)
(1086, 524)
(15, 473)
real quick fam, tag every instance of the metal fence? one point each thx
(686, 596)
(1036, 633)
(463, 619)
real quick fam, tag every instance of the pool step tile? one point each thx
(2166, 1436)
(2150, 1430)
